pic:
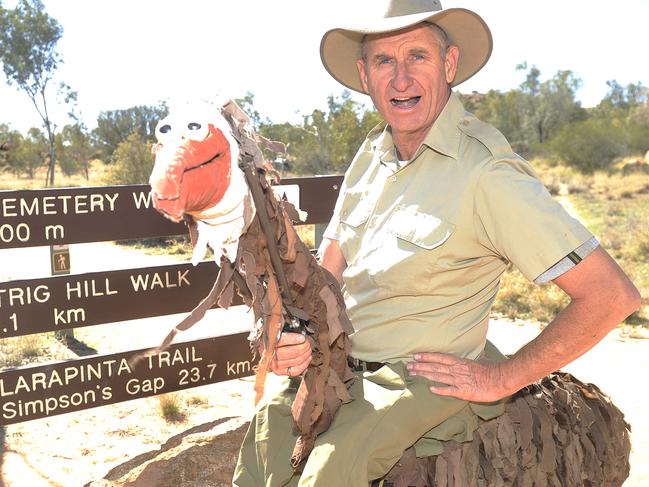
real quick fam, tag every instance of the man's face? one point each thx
(407, 78)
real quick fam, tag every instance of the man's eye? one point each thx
(384, 60)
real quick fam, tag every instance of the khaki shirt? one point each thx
(426, 245)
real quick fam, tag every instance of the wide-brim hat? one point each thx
(340, 48)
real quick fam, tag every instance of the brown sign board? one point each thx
(318, 196)
(74, 301)
(76, 215)
(28, 393)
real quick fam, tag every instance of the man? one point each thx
(432, 209)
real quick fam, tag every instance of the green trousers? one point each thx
(389, 413)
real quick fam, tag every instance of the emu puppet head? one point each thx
(196, 175)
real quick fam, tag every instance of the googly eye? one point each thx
(195, 130)
(164, 130)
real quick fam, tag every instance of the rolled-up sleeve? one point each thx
(517, 218)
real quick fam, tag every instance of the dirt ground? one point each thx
(71, 449)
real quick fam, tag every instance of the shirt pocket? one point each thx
(354, 214)
(413, 243)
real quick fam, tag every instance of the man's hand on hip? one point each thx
(461, 378)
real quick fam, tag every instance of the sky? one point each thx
(122, 53)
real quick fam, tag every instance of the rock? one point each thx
(558, 431)
(203, 456)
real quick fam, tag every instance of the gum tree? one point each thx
(28, 38)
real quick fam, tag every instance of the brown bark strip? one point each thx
(273, 325)
(576, 437)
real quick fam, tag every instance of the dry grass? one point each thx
(196, 401)
(177, 245)
(520, 299)
(616, 186)
(618, 183)
(96, 173)
(561, 180)
(17, 351)
(306, 234)
(170, 407)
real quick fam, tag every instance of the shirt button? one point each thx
(393, 178)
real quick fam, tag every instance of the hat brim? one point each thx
(341, 48)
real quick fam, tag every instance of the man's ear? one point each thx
(362, 74)
(450, 62)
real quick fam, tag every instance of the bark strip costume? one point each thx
(210, 172)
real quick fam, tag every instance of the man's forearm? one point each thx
(589, 317)
(573, 332)
(331, 258)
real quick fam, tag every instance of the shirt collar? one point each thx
(443, 137)
(382, 143)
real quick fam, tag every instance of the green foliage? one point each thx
(74, 150)
(30, 153)
(638, 129)
(622, 98)
(114, 126)
(326, 142)
(132, 162)
(617, 127)
(550, 104)
(531, 114)
(28, 38)
(590, 144)
(12, 138)
(503, 111)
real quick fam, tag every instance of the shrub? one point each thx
(132, 162)
(589, 145)
(170, 407)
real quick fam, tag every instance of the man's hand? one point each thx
(292, 355)
(461, 378)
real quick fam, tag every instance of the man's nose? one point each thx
(402, 79)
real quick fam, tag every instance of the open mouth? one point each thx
(405, 102)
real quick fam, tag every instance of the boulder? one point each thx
(203, 456)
